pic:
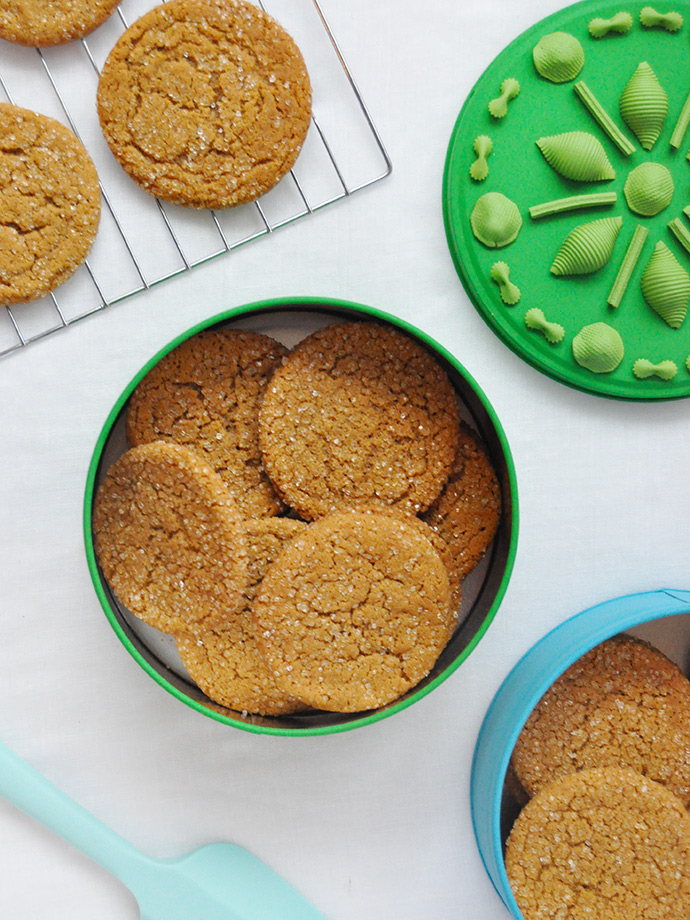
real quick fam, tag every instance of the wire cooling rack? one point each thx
(142, 241)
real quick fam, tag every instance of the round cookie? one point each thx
(205, 395)
(205, 103)
(50, 204)
(467, 512)
(226, 663)
(354, 612)
(358, 414)
(169, 539)
(608, 844)
(623, 703)
(51, 22)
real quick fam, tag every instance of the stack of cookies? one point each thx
(603, 765)
(301, 522)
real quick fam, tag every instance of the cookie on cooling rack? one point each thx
(205, 394)
(358, 414)
(169, 539)
(354, 612)
(50, 204)
(43, 23)
(205, 103)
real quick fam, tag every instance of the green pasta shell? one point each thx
(643, 105)
(588, 247)
(577, 155)
(649, 189)
(495, 220)
(558, 57)
(598, 348)
(666, 286)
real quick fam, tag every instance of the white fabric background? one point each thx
(369, 824)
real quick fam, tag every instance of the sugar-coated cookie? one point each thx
(169, 539)
(226, 663)
(51, 22)
(205, 103)
(607, 843)
(50, 204)
(354, 612)
(358, 414)
(205, 394)
(624, 704)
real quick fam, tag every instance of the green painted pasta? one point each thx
(510, 89)
(598, 348)
(572, 203)
(666, 286)
(630, 260)
(687, 364)
(552, 332)
(588, 247)
(664, 370)
(686, 211)
(651, 19)
(619, 24)
(681, 233)
(495, 220)
(603, 119)
(577, 155)
(500, 275)
(482, 147)
(558, 57)
(681, 127)
(649, 189)
(643, 105)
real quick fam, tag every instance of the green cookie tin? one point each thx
(289, 320)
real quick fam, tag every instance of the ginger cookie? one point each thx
(205, 395)
(467, 512)
(608, 843)
(205, 103)
(226, 663)
(624, 704)
(51, 22)
(358, 414)
(169, 539)
(50, 204)
(354, 612)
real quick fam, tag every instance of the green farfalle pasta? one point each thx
(666, 286)
(664, 370)
(495, 220)
(482, 146)
(619, 24)
(588, 247)
(598, 348)
(558, 57)
(510, 89)
(577, 155)
(644, 105)
(648, 189)
(653, 19)
(537, 321)
(500, 275)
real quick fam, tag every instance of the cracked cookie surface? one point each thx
(205, 103)
(205, 394)
(466, 513)
(358, 414)
(605, 843)
(51, 22)
(226, 663)
(354, 612)
(169, 539)
(624, 704)
(50, 204)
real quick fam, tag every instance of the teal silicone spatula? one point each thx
(220, 881)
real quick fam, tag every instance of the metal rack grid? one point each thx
(143, 241)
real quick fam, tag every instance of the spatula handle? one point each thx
(24, 787)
